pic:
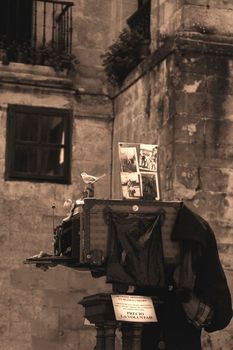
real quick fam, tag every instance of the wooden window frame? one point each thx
(11, 143)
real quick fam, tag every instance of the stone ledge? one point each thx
(34, 75)
(205, 43)
(93, 106)
(183, 41)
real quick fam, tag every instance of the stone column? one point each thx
(109, 335)
(100, 341)
(99, 310)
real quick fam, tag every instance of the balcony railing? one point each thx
(38, 28)
(140, 20)
(52, 23)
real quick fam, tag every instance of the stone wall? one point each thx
(142, 115)
(184, 104)
(169, 17)
(39, 310)
(166, 20)
(203, 148)
(208, 16)
(180, 98)
(120, 11)
(91, 36)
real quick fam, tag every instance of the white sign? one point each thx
(133, 308)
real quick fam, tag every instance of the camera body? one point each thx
(86, 237)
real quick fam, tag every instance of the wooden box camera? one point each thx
(85, 239)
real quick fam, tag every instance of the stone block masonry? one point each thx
(39, 310)
(190, 118)
(180, 98)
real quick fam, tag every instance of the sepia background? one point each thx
(179, 95)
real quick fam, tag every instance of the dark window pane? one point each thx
(52, 162)
(26, 128)
(16, 19)
(142, 2)
(25, 159)
(52, 130)
(38, 144)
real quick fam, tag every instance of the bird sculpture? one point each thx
(89, 179)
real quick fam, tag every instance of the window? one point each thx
(16, 20)
(140, 20)
(141, 3)
(30, 29)
(38, 144)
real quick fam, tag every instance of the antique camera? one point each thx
(84, 240)
(67, 238)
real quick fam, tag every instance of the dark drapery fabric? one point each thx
(200, 274)
(135, 256)
(210, 283)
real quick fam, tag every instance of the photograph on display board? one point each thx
(128, 159)
(131, 186)
(148, 157)
(150, 187)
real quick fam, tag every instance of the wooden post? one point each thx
(100, 341)
(136, 336)
(99, 310)
(126, 331)
(110, 329)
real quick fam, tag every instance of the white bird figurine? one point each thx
(89, 179)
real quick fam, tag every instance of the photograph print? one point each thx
(128, 159)
(131, 186)
(148, 157)
(150, 186)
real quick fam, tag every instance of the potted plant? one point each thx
(124, 55)
(51, 56)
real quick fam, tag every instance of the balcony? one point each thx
(131, 47)
(140, 20)
(36, 32)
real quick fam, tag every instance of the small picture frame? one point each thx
(148, 157)
(131, 185)
(150, 186)
(128, 159)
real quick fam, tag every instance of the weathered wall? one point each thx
(91, 36)
(142, 115)
(120, 11)
(208, 16)
(166, 20)
(39, 310)
(203, 149)
(184, 105)
(169, 17)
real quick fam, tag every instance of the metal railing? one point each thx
(38, 29)
(52, 24)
